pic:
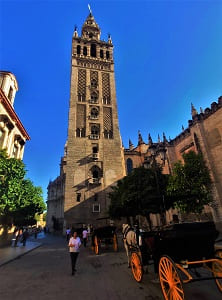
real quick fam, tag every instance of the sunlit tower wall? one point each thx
(95, 159)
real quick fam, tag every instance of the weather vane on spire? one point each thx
(89, 9)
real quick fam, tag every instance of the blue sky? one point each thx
(167, 55)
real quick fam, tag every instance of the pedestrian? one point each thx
(84, 236)
(68, 234)
(74, 245)
(35, 233)
(15, 236)
(25, 235)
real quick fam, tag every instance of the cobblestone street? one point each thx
(45, 273)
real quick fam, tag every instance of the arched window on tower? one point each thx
(108, 134)
(101, 54)
(94, 98)
(95, 175)
(107, 54)
(93, 83)
(80, 132)
(94, 113)
(85, 50)
(129, 165)
(94, 132)
(78, 49)
(93, 50)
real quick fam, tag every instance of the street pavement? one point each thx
(9, 253)
(45, 273)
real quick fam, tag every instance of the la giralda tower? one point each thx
(94, 157)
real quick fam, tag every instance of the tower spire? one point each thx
(90, 10)
(193, 110)
(140, 139)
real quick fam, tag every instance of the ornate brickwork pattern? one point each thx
(81, 116)
(106, 88)
(94, 76)
(107, 119)
(81, 82)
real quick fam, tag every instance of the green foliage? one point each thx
(19, 198)
(190, 184)
(139, 193)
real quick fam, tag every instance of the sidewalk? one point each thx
(9, 253)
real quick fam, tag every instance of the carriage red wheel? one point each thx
(115, 243)
(136, 267)
(217, 269)
(96, 245)
(170, 280)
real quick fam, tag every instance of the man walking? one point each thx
(84, 236)
(74, 245)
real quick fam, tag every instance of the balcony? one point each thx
(93, 101)
(93, 117)
(95, 156)
(94, 136)
(94, 181)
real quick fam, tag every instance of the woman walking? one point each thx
(74, 245)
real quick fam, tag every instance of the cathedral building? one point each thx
(94, 158)
(12, 132)
(203, 134)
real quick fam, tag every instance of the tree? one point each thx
(190, 184)
(139, 193)
(19, 198)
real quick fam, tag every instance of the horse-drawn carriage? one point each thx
(176, 250)
(104, 235)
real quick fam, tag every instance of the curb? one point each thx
(20, 255)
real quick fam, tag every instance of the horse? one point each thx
(129, 239)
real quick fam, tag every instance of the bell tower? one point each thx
(94, 159)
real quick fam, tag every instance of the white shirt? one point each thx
(74, 244)
(84, 234)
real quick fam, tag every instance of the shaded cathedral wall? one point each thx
(209, 132)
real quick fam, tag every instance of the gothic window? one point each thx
(94, 97)
(93, 50)
(80, 132)
(85, 50)
(101, 54)
(83, 132)
(93, 83)
(78, 49)
(107, 54)
(108, 134)
(95, 174)
(94, 113)
(129, 165)
(95, 130)
(81, 98)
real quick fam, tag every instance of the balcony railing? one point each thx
(94, 181)
(95, 156)
(94, 136)
(93, 101)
